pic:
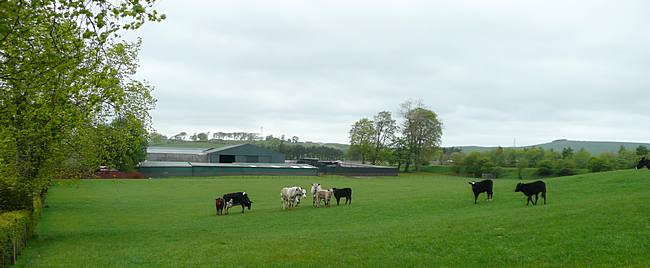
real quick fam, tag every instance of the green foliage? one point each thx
(567, 167)
(521, 165)
(361, 139)
(598, 164)
(384, 129)
(388, 224)
(15, 228)
(642, 150)
(422, 131)
(63, 71)
(545, 168)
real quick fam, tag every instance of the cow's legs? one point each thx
(536, 197)
(348, 198)
(242, 208)
(475, 198)
(544, 196)
(338, 198)
(530, 199)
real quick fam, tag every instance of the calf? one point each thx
(530, 189)
(325, 195)
(239, 198)
(343, 192)
(314, 188)
(484, 186)
(643, 162)
(228, 205)
(219, 203)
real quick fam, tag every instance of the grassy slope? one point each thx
(417, 220)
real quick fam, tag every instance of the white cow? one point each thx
(290, 196)
(314, 188)
(325, 195)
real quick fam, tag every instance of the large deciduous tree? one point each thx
(385, 128)
(362, 134)
(422, 131)
(63, 71)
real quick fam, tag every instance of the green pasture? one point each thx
(591, 220)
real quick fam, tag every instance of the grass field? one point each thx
(590, 220)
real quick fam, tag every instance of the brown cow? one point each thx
(220, 204)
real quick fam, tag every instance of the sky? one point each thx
(495, 72)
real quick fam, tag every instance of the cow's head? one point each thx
(643, 162)
(518, 189)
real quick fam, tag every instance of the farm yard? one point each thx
(598, 219)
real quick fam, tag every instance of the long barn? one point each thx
(240, 153)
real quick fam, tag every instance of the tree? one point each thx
(202, 136)
(545, 168)
(157, 138)
(521, 165)
(641, 150)
(582, 158)
(422, 131)
(294, 139)
(180, 136)
(64, 70)
(194, 137)
(385, 128)
(361, 137)
(567, 152)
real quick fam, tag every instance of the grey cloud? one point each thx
(492, 70)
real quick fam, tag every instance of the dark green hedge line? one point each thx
(16, 227)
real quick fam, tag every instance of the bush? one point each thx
(545, 168)
(15, 228)
(597, 164)
(567, 168)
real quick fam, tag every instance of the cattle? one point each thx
(484, 186)
(290, 196)
(219, 203)
(228, 205)
(239, 198)
(324, 195)
(343, 192)
(530, 189)
(643, 162)
(314, 188)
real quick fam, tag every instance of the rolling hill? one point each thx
(593, 147)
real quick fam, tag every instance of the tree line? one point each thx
(69, 100)
(383, 140)
(546, 162)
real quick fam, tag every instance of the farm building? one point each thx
(240, 153)
(349, 169)
(193, 169)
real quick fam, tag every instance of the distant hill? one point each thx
(593, 147)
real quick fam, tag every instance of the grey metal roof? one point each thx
(212, 150)
(253, 165)
(173, 150)
(164, 164)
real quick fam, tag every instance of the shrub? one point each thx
(567, 168)
(545, 168)
(15, 228)
(597, 164)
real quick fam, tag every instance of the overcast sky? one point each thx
(493, 71)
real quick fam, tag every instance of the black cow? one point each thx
(484, 186)
(239, 198)
(533, 188)
(343, 192)
(643, 162)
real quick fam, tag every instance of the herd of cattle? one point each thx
(289, 196)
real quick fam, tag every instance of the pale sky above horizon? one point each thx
(493, 71)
